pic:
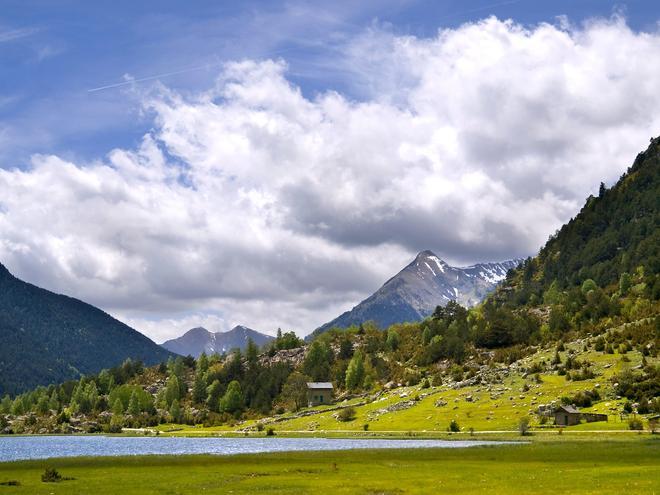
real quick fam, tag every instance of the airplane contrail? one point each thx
(151, 78)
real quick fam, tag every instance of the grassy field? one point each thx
(602, 467)
(481, 407)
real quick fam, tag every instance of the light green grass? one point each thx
(598, 467)
(483, 413)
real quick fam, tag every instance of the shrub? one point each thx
(270, 432)
(599, 345)
(347, 414)
(454, 427)
(260, 427)
(524, 426)
(51, 475)
(653, 425)
(635, 424)
(456, 373)
(365, 427)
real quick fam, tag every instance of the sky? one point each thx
(271, 164)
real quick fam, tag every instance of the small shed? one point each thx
(570, 415)
(319, 393)
(567, 416)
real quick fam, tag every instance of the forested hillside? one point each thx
(614, 238)
(48, 338)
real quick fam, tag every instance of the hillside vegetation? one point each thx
(577, 324)
(48, 338)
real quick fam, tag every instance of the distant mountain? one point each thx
(198, 340)
(47, 338)
(414, 292)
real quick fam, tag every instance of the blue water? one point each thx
(44, 447)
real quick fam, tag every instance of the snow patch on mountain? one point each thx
(414, 293)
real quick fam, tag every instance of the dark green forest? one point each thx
(49, 338)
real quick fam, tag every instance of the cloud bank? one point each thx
(254, 203)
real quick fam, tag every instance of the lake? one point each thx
(44, 447)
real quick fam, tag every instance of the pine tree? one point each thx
(317, 361)
(172, 390)
(134, 405)
(393, 340)
(42, 405)
(54, 402)
(5, 405)
(355, 372)
(91, 395)
(252, 353)
(202, 363)
(118, 408)
(199, 388)
(232, 401)
(175, 412)
(213, 393)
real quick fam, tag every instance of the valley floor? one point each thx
(610, 466)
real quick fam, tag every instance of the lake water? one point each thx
(44, 447)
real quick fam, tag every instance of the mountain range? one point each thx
(199, 339)
(414, 292)
(47, 338)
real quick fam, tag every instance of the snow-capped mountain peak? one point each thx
(425, 283)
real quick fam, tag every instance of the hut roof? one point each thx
(320, 385)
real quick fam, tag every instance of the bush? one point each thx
(524, 426)
(635, 424)
(260, 427)
(454, 427)
(599, 345)
(112, 427)
(270, 432)
(365, 427)
(51, 476)
(347, 414)
(653, 425)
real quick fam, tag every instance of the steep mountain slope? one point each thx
(614, 239)
(198, 340)
(415, 291)
(47, 338)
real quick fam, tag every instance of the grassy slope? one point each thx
(483, 413)
(542, 467)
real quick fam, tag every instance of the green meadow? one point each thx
(628, 465)
(480, 408)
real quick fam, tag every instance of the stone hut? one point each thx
(319, 393)
(570, 415)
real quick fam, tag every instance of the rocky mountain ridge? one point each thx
(427, 282)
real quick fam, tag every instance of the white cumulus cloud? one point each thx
(257, 204)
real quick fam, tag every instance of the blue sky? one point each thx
(52, 53)
(271, 164)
